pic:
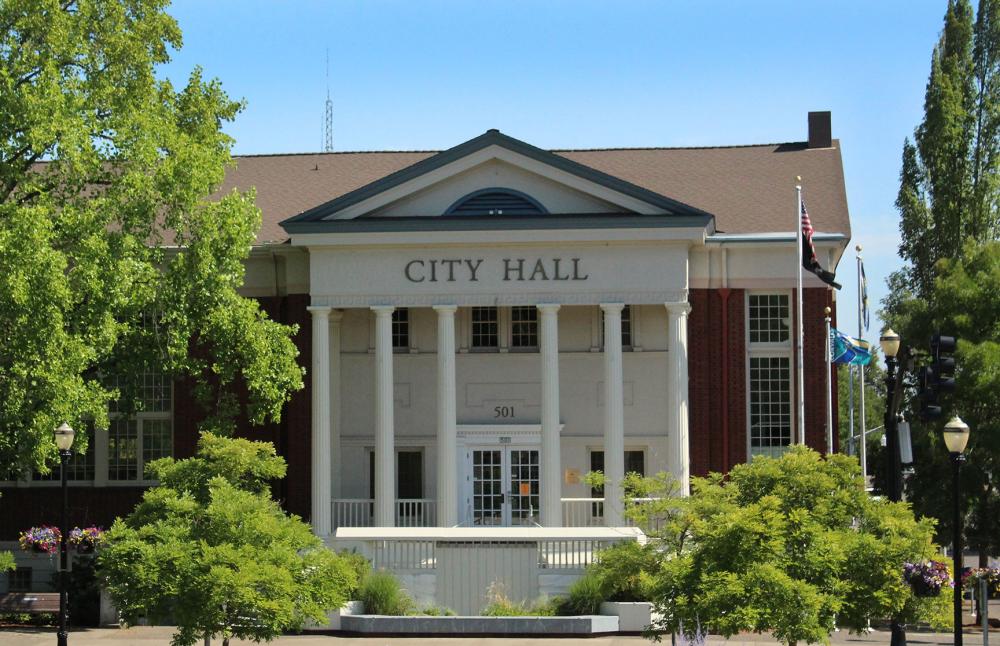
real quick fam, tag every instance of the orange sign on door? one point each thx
(525, 488)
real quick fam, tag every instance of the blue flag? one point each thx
(849, 350)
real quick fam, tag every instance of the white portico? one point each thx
(468, 313)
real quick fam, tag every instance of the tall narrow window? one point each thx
(770, 405)
(770, 374)
(524, 327)
(485, 328)
(401, 329)
(123, 454)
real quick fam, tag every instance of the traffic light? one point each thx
(937, 378)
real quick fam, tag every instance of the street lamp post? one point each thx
(889, 343)
(64, 441)
(956, 436)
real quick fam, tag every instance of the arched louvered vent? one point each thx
(496, 201)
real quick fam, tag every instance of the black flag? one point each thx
(809, 260)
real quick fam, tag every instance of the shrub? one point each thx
(500, 605)
(382, 594)
(626, 571)
(361, 566)
(585, 595)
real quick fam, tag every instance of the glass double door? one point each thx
(504, 490)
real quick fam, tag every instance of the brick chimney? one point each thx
(819, 130)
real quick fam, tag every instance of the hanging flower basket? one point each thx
(41, 540)
(86, 540)
(991, 575)
(928, 578)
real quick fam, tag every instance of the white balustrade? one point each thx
(359, 512)
(583, 512)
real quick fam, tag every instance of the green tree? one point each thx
(113, 259)
(789, 546)
(965, 301)
(949, 204)
(210, 552)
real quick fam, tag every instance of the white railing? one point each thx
(360, 512)
(582, 512)
(589, 512)
(416, 512)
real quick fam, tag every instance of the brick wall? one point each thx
(717, 376)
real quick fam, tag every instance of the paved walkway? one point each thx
(145, 636)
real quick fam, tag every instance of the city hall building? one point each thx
(483, 326)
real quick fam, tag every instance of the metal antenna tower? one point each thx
(328, 117)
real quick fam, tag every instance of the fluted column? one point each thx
(321, 512)
(549, 482)
(447, 467)
(614, 415)
(336, 464)
(385, 498)
(677, 382)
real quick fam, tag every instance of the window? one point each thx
(80, 466)
(19, 580)
(123, 456)
(496, 201)
(635, 462)
(769, 318)
(626, 327)
(147, 435)
(770, 405)
(524, 327)
(770, 374)
(485, 328)
(401, 329)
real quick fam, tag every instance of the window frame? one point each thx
(590, 463)
(499, 333)
(768, 350)
(401, 319)
(510, 332)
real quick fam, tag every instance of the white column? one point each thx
(385, 463)
(550, 482)
(321, 512)
(447, 467)
(614, 415)
(677, 382)
(336, 464)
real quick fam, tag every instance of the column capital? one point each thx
(612, 307)
(682, 308)
(548, 308)
(336, 315)
(319, 310)
(383, 310)
(444, 310)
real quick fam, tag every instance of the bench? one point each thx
(33, 603)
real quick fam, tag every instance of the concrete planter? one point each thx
(633, 616)
(335, 618)
(383, 625)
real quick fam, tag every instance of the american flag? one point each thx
(809, 260)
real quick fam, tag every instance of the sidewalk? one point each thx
(160, 636)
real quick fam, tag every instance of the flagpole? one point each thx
(829, 386)
(799, 376)
(851, 448)
(861, 379)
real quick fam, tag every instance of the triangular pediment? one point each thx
(494, 167)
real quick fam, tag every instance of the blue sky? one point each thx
(563, 74)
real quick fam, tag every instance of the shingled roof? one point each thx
(749, 189)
